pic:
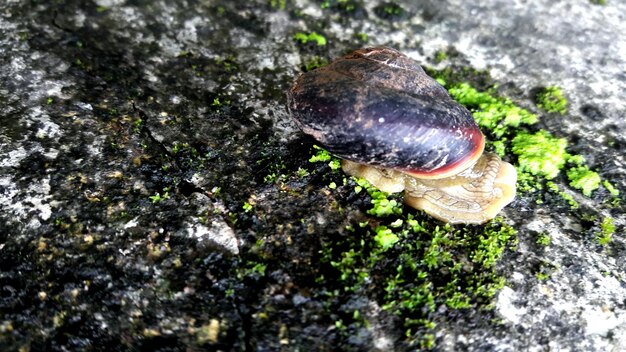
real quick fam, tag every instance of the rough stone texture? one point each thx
(133, 133)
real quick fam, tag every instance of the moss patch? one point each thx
(418, 263)
(313, 63)
(494, 114)
(584, 179)
(540, 153)
(305, 38)
(609, 187)
(390, 11)
(551, 99)
(607, 229)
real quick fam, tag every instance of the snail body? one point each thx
(398, 128)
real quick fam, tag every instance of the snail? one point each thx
(395, 126)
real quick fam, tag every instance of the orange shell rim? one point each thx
(455, 168)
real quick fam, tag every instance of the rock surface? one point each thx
(155, 195)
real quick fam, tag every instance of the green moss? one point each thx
(361, 36)
(270, 178)
(607, 229)
(598, 2)
(385, 238)
(305, 38)
(495, 114)
(491, 246)
(419, 264)
(551, 99)
(543, 276)
(322, 155)
(584, 179)
(546, 270)
(345, 6)
(381, 205)
(576, 159)
(458, 300)
(389, 10)
(540, 153)
(609, 187)
(158, 197)
(440, 56)
(313, 63)
(471, 97)
(499, 147)
(301, 172)
(544, 239)
(567, 197)
(278, 4)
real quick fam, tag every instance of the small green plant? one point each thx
(381, 205)
(543, 276)
(305, 38)
(495, 114)
(270, 178)
(584, 179)
(607, 229)
(440, 56)
(392, 9)
(566, 196)
(137, 123)
(313, 63)
(385, 238)
(361, 36)
(322, 155)
(158, 197)
(544, 239)
(278, 4)
(609, 187)
(540, 153)
(301, 172)
(551, 99)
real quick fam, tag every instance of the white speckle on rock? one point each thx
(506, 307)
(47, 128)
(14, 157)
(218, 233)
(600, 321)
(311, 9)
(132, 223)
(109, 3)
(517, 276)
(84, 106)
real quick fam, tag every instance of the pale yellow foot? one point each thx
(474, 196)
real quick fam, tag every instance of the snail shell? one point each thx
(397, 127)
(378, 107)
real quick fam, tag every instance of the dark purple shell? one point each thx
(378, 107)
